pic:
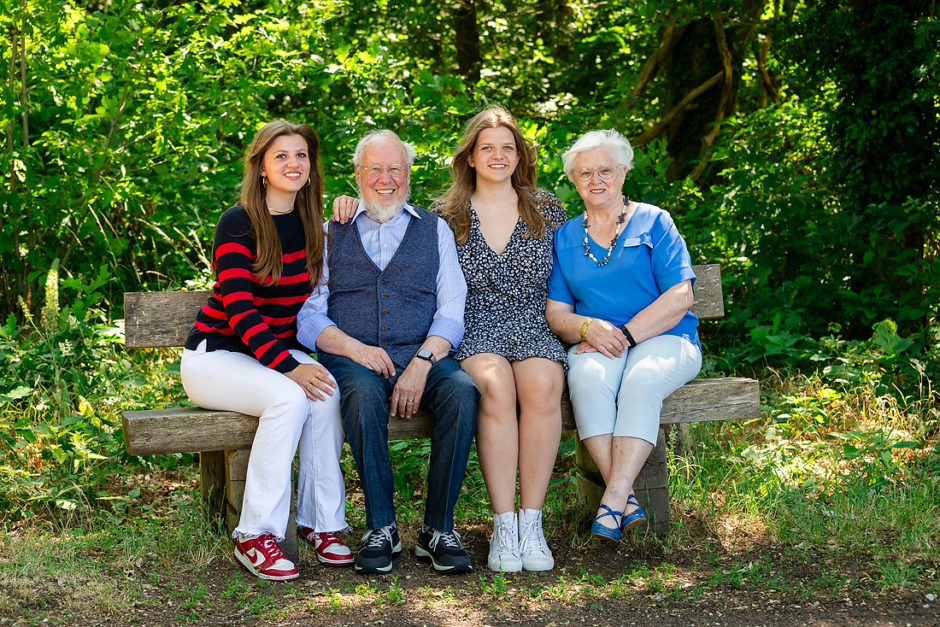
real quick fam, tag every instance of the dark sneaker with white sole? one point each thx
(379, 547)
(443, 550)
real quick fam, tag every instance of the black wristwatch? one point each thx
(426, 355)
(628, 335)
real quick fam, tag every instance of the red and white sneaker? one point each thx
(330, 549)
(263, 558)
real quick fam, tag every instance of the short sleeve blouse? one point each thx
(650, 257)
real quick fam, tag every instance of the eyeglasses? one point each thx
(587, 174)
(375, 172)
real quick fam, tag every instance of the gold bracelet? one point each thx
(584, 327)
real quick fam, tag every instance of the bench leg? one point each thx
(651, 486)
(212, 483)
(236, 470)
(680, 437)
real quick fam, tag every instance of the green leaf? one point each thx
(18, 392)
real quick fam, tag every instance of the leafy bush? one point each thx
(67, 377)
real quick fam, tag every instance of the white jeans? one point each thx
(624, 395)
(233, 381)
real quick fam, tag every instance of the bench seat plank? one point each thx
(191, 429)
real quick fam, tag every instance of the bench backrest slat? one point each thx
(153, 319)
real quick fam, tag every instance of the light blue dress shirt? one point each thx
(380, 241)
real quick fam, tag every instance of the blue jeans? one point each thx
(449, 395)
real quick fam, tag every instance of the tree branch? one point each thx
(767, 83)
(656, 130)
(467, 42)
(727, 93)
(671, 35)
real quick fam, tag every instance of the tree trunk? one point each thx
(554, 20)
(694, 60)
(469, 58)
(705, 47)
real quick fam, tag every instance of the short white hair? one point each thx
(608, 139)
(406, 148)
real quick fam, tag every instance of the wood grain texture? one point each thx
(190, 429)
(236, 469)
(709, 302)
(212, 482)
(155, 319)
(654, 474)
(163, 319)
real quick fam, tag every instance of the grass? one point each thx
(103, 563)
(820, 468)
(843, 481)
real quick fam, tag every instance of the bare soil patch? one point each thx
(730, 576)
(592, 584)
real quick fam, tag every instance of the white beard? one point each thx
(379, 213)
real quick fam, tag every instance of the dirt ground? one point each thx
(593, 584)
(727, 574)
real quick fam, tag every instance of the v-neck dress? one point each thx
(505, 311)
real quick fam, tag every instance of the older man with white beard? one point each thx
(384, 325)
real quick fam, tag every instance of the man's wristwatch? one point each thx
(426, 355)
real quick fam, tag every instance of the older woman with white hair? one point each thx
(620, 291)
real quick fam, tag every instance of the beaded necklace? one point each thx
(613, 241)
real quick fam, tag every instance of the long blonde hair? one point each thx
(455, 202)
(308, 203)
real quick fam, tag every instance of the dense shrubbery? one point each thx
(124, 123)
(66, 378)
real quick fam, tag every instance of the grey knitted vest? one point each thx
(392, 308)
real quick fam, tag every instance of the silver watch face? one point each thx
(426, 355)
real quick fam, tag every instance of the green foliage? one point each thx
(410, 460)
(123, 125)
(66, 378)
(884, 131)
(839, 458)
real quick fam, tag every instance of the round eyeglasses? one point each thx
(586, 174)
(375, 172)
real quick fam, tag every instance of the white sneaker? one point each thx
(536, 555)
(504, 545)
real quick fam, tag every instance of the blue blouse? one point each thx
(649, 258)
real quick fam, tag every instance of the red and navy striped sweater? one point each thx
(247, 315)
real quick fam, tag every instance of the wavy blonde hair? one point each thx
(308, 203)
(454, 204)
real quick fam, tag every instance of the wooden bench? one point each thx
(223, 439)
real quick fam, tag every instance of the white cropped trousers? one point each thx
(231, 381)
(624, 395)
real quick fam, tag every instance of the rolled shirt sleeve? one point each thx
(312, 318)
(451, 289)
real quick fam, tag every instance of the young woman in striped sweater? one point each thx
(242, 353)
